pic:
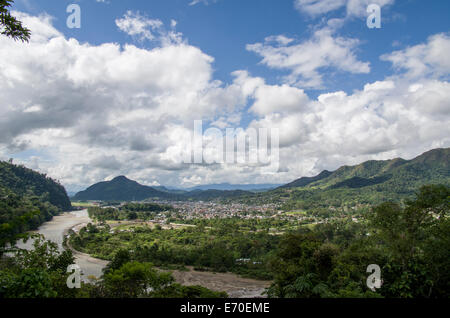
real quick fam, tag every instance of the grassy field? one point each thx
(296, 213)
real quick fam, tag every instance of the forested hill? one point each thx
(430, 167)
(120, 189)
(26, 182)
(371, 182)
(304, 181)
(27, 199)
(124, 189)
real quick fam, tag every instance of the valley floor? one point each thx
(234, 285)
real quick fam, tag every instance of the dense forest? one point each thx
(411, 244)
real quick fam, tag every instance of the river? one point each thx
(55, 230)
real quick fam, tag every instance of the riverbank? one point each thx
(56, 229)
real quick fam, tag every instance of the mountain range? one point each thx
(370, 181)
(431, 166)
(230, 187)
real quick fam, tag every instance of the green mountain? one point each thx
(26, 182)
(124, 189)
(371, 182)
(120, 189)
(304, 181)
(27, 199)
(432, 166)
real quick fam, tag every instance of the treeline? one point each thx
(146, 207)
(246, 225)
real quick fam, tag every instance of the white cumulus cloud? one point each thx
(305, 60)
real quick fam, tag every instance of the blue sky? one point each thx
(339, 92)
(223, 28)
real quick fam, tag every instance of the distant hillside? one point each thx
(207, 195)
(120, 189)
(23, 181)
(369, 182)
(302, 182)
(233, 187)
(432, 166)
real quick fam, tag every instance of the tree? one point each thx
(416, 239)
(10, 26)
(28, 283)
(294, 259)
(37, 273)
(403, 230)
(121, 257)
(188, 292)
(132, 215)
(134, 280)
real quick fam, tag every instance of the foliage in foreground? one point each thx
(10, 26)
(411, 244)
(41, 273)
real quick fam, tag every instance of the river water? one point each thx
(55, 230)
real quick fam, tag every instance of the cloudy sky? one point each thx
(119, 95)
